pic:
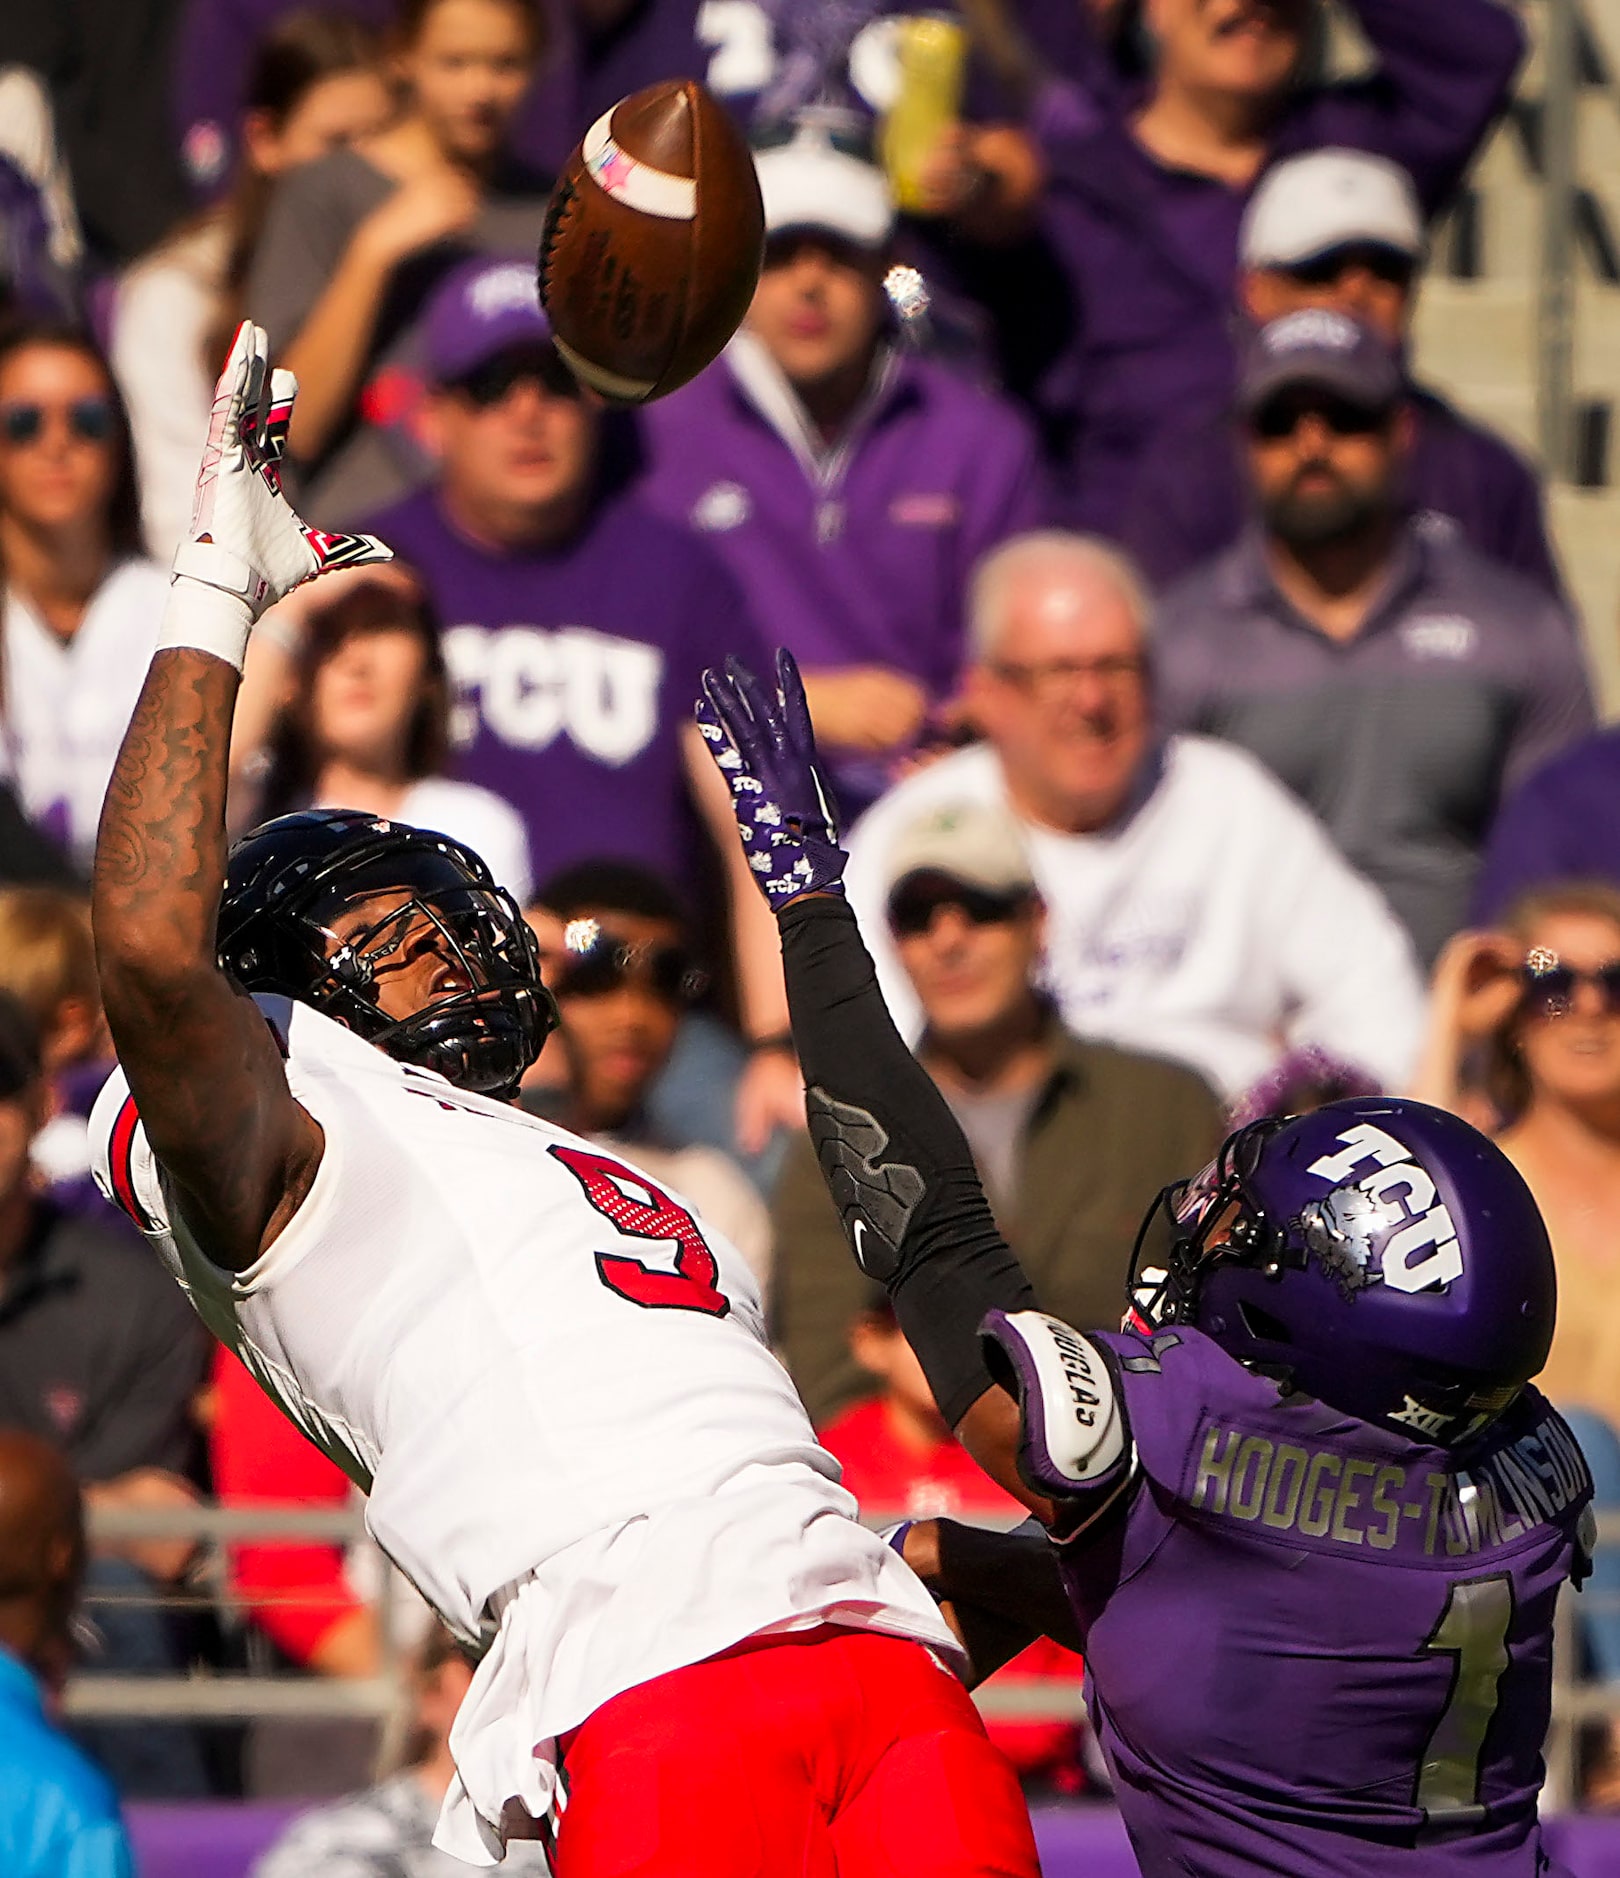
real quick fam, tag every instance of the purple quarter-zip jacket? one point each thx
(1149, 254)
(858, 553)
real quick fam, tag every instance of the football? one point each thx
(652, 243)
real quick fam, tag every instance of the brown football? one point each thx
(652, 242)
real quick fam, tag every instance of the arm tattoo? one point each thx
(206, 1075)
(162, 838)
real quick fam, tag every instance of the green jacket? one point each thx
(1109, 1129)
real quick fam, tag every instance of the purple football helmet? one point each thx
(1378, 1254)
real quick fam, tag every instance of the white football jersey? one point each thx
(554, 1385)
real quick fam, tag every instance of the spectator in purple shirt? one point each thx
(577, 626)
(1146, 187)
(1562, 823)
(849, 484)
(1340, 229)
(1396, 682)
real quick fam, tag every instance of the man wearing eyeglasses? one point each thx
(1194, 909)
(1396, 682)
(1340, 229)
(577, 623)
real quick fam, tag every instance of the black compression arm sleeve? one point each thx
(893, 1156)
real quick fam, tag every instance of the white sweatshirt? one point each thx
(1218, 925)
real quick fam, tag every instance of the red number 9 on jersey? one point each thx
(691, 1286)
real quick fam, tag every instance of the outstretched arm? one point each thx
(202, 1064)
(1033, 1403)
(902, 1176)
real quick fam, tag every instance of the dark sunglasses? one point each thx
(846, 134)
(603, 964)
(490, 383)
(1324, 270)
(89, 420)
(1550, 986)
(1280, 417)
(913, 910)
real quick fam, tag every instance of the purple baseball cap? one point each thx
(482, 309)
(1320, 347)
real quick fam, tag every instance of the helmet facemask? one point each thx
(481, 1034)
(1195, 1225)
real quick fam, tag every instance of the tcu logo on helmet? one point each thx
(1394, 1202)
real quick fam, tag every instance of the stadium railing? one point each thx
(216, 1697)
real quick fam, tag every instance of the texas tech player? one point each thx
(1309, 1520)
(550, 1378)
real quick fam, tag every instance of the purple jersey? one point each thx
(1317, 1647)
(575, 668)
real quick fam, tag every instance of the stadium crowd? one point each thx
(1203, 691)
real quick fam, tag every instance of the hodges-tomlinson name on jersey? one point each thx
(1321, 1494)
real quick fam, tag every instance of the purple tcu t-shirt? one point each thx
(1316, 1647)
(575, 671)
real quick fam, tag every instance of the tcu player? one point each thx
(552, 1382)
(1310, 1520)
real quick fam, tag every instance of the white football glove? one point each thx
(246, 541)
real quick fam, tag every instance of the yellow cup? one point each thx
(932, 52)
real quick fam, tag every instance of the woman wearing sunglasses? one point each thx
(1524, 1039)
(79, 603)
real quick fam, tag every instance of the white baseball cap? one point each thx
(810, 183)
(1326, 199)
(974, 843)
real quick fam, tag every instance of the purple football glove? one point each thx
(766, 750)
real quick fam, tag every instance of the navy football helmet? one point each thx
(1378, 1254)
(288, 880)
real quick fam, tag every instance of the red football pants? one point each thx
(835, 1754)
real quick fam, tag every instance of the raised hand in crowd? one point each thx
(867, 707)
(984, 177)
(1472, 993)
(329, 352)
(438, 202)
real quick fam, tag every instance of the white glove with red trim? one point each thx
(247, 547)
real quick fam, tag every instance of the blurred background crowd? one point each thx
(1212, 706)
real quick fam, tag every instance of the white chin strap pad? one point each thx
(1075, 1437)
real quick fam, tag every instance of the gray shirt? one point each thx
(994, 1123)
(374, 458)
(1463, 678)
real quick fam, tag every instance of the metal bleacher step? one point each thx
(1473, 341)
(1586, 526)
